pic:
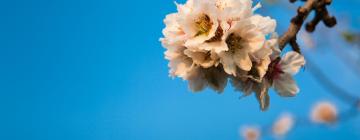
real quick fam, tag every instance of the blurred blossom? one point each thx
(250, 133)
(283, 125)
(324, 112)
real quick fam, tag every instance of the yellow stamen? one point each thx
(203, 24)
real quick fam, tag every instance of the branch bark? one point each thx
(319, 6)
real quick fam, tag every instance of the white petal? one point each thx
(286, 86)
(226, 59)
(254, 40)
(203, 59)
(186, 22)
(242, 59)
(265, 24)
(262, 67)
(262, 53)
(292, 62)
(173, 34)
(234, 9)
(241, 26)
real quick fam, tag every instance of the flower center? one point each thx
(233, 42)
(277, 71)
(274, 70)
(203, 24)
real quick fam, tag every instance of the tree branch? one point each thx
(321, 14)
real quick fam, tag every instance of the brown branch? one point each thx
(321, 14)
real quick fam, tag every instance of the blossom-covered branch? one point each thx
(215, 41)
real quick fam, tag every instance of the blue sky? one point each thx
(94, 70)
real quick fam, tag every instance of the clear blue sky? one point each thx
(94, 70)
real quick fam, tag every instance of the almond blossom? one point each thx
(283, 71)
(279, 75)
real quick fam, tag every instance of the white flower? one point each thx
(250, 133)
(206, 59)
(283, 125)
(198, 19)
(179, 63)
(244, 38)
(324, 112)
(228, 12)
(283, 71)
(173, 33)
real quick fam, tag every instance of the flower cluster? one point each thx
(209, 42)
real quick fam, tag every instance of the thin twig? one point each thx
(319, 6)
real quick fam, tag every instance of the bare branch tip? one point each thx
(330, 22)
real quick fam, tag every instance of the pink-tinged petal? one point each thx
(292, 62)
(254, 40)
(285, 85)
